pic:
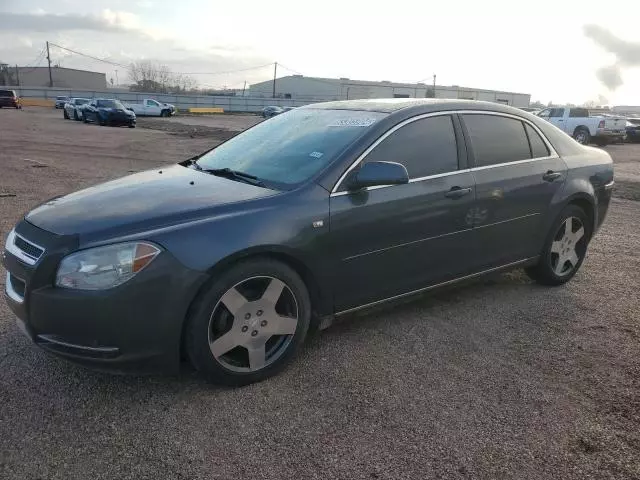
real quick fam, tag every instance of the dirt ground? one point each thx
(499, 379)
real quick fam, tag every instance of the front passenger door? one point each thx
(390, 240)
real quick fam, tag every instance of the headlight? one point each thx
(104, 267)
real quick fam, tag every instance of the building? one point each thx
(303, 88)
(62, 77)
(629, 110)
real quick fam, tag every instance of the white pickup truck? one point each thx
(152, 108)
(583, 127)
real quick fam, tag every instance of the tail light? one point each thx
(601, 124)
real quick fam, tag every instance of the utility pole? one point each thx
(117, 81)
(49, 62)
(244, 87)
(17, 75)
(434, 85)
(275, 70)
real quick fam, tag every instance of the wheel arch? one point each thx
(587, 204)
(319, 294)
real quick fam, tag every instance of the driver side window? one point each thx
(425, 147)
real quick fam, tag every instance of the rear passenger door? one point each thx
(517, 173)
(389, 240)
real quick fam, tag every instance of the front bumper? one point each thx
(133, 327)
(120, 120)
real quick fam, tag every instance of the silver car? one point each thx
(73, 108)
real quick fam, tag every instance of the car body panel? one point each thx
(391, 240)
(162, 196)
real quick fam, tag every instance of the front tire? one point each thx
(249, 323)
(65, 114)
(565, 248)
(75, 115)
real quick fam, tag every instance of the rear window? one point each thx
(7, 93)
(497, 139)
(578, 112)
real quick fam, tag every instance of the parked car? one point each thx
(8, 98)
(584, 128)
(632, 129)
(108, 111)
(272, 111)
(287, 109)
(231, 256)
(60, 101)
(152, 108)
(73, 108)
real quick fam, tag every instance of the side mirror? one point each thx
(379, 173)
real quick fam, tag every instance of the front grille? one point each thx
(28, 248)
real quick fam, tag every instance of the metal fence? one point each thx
(181, 102)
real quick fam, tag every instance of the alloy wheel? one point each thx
(567, 248)
(581, 137)
(253, 323)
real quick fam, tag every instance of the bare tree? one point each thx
(148, 76)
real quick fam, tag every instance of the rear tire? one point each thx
(582, 136)
(256, 342)
(564, 250)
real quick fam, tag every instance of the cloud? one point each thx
(627, 55)
(610, 76)
(107, 21)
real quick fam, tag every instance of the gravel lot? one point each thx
(494, 380)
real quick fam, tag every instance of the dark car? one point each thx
(8, 98)
(106, 111)
(633, 130)
(229, 258)
(60, 101)
(272, 111)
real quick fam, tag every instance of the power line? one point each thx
(181, 73)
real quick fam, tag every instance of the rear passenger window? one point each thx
(538, 147)
(496, 139)
(425, 147)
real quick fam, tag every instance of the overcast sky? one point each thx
(556, 50)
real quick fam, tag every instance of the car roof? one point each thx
(414, 105)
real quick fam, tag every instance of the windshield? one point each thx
(289, 149)
(81, 101)
(110, 104)
(62, 98)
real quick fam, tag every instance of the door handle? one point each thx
(550, 176)
(457, 192)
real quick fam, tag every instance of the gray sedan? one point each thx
(230, 258)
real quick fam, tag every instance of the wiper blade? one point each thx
(228, 173)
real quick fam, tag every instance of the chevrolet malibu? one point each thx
(229, 258)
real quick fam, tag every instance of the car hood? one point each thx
(142, 201)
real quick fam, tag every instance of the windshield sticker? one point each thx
(353, 122)
(316, 154)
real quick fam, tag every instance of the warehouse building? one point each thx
(62, 77)
(299, 87)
